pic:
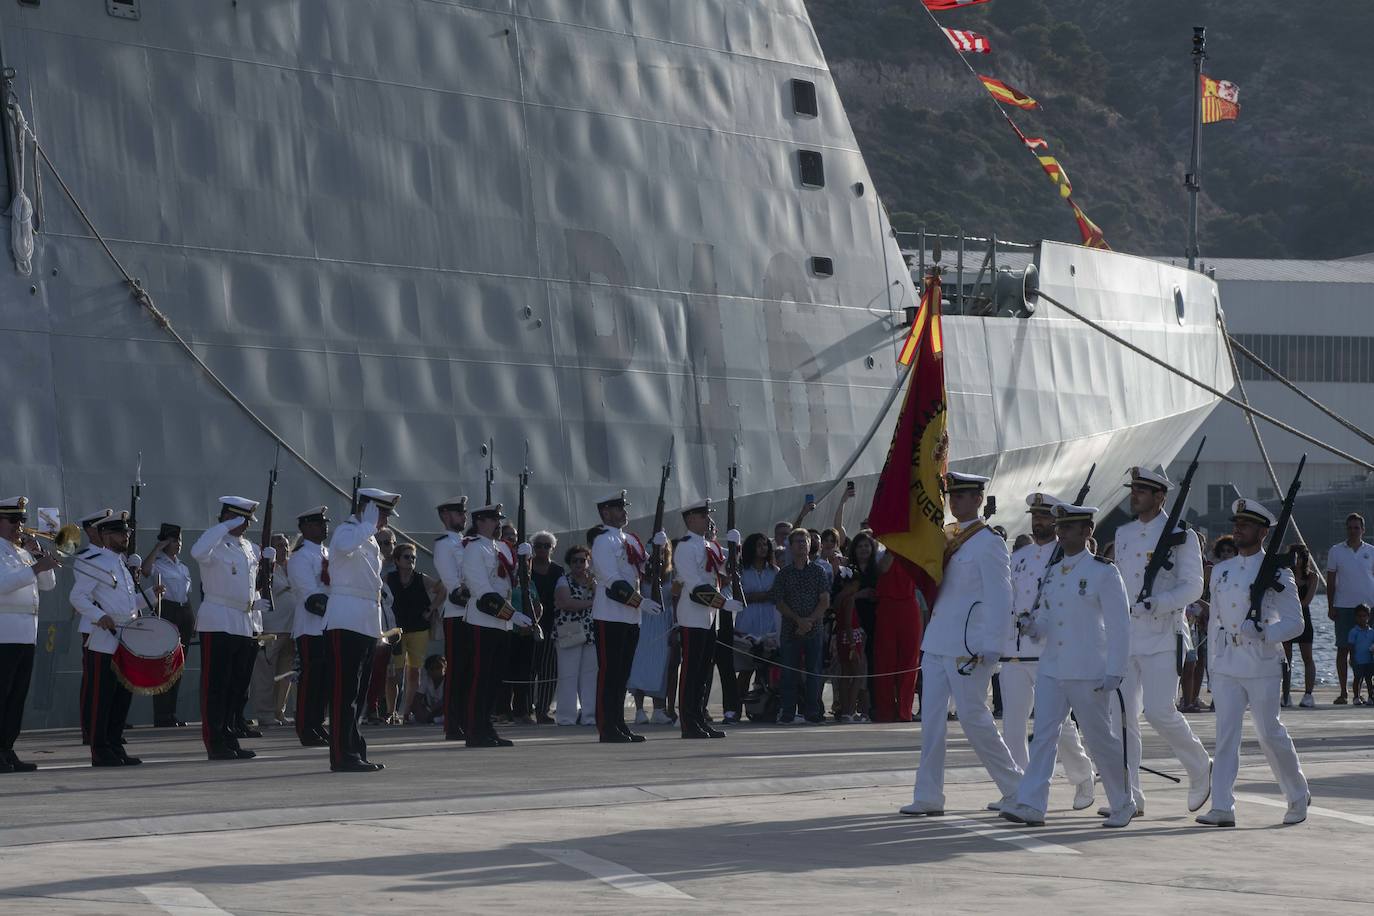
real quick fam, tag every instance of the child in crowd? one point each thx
(429, 700)
(1362, 648)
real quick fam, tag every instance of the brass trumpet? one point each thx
(64, 543)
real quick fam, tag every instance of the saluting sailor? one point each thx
(1084, 619)
(1021, 657)
(93, 543)
(308, 574)
(228, 577)
(448, 563)
(488, 567)
(698, 563)
(618, 559)
(107, 598)
(969, 626)
(353, 624)
(1157, 625)
(1246, 666)
(22, 577)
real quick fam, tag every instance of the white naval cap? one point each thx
(495, 510)
(115, 521)
(13, 506)
(87, 521)
(1042, 502)
(238, 505)
(1252, 511)
(1064, 512)
(314, 514)
(384, 500)
(956, 481)
(1148, 477)
(614, 499)
(453, 504)
(699, 506)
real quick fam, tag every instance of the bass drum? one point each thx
(150, 656)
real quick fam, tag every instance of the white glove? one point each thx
(733, 606)
(524, 550)
(733, 536)
(650, 607)
(1027, 625)
(133, 561)
(661, 539)
(845, 572)
(1142, 608)
(521, 621)
(269, 554)
(370, 515)
(1109, 683)
(1252, 628)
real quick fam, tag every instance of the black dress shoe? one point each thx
(714, 732)
(490, 742)
(6, 766)
(243, 754)
(19, 766)
(379, 766)
(164, 723)
(222, 753)
(636, 737)
(107, 761)
(544, 719)
(128, 761)
(459, 735)
(356, 766)
(314, 741)
(695, 733)
(616, 738)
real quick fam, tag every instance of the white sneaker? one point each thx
(641, 717)
(660, 718)
(1217, 818)
(1023, 814)
(1083, 795)
(1307, 702)
(921, 809)
(1104, 811)
(1006, 801)
(1121, 817)
(1297, 811)
(1199, 790)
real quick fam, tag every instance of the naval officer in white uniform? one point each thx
(308, 572)
(448, 563)
(698, 563)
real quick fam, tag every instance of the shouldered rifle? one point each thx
(1170, 538)
(1087, 486)
(655, 570)
(522, 564)
(732, 549)
(357, 484)
(135, 494)
(264, 582)
(1275, 558)
(491, 467)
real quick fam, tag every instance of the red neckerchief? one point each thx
(715, 557)
(505, 560)
(634, 550)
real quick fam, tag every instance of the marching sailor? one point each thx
(1157, 623)
(22, 577)
(93, 542)
(228, 577)
(1083, 617)
(969, 626)
(353, 624)
(698, 563)
(1021, 656)
(308, 574)
(107, 598)
(1246, 665)
(488, 568)
(618, 558)
(448, 563)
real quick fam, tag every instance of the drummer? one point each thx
(105, 595)
(22, 577)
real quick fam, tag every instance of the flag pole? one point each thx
(1192, 181)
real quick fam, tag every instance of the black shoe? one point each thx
(242, 754)
(6, 766)
(356, 766)
(380, 766)
(616, 737)
(458, 735)
(544, 719)
(249, 733)
(315, 741)
(107, 761)
(490, 741)
(695, 733)
(636, 737)
(714, 732)
(164, 723)
(222, 753)
(17, 765)
(128, 761)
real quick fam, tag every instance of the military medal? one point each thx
(1082, 586)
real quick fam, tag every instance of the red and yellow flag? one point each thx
(949, 4)
(1220, 100)
(1057, 174)
(1007, 95)
(930, 305)
(908, 511)
(1092, 235)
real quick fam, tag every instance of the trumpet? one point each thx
(64, 543)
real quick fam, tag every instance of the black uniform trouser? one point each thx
(725, 666)
(457, 679)
(350, 657)
(615, 654)
(485, 653)
(109, 709)
(16, 670)
(165, 704)
(243, 683)
(221, 659)
(515, 693)
(84, 697)
(694, 676)
(312, 690)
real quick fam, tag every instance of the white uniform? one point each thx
(448, 563)
(1020, 659)
(1246, 668)
(696, 562)
(228, 576)
(173, 575)
(19, 588)
(486, 568)
(86, 554)
(1151, 684)
(304, 570)
(1084, 619)
(95, 597)
(972, 616)
(355, 579)
(616, 556)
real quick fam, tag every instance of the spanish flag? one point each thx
(949, 4)
(1007, 95)
(1057, 174)
(1092, 235)
(930, 305)
(1220, 100)
(908, 511)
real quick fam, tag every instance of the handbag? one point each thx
(571, 634)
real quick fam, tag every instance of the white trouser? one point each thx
(941, 681)
(576, 681)
(1151, 687)
(270, 695)
(1231, 695)
(1018, 694)
(1054, 698)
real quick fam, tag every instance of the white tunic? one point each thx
(98, 596)
(614, 556)
(448, 563)
(173, 575)
(228, 577)
(89, 551)
(282, 617)
(1027, 570)
(19, 588)
(483, 573)
(696, 562)
(304, 572)
(1174, 589)
(1234, 647)
(355, 580)
(1084, 618)
(972, 612)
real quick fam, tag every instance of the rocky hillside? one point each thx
(1292, 178)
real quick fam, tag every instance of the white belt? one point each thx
(19, 608)
(362, 593)
(233, 603)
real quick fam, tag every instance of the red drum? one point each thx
(150, 657)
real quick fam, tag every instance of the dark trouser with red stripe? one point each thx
(165, 704)
(484, 655)
(84, 697)
(456, 681)
(350, 656)
(243, 682)
(221, 660)
(615, 654)
(694, 677)
(725, 664)
(312, 691)
(109, 709)
(16, 670)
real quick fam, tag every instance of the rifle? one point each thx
(655, 570)
(732, 555)
(135, 494)
(1057, 553)
(1083, 490)
(522, 564)
(1169, 538)
(1274, 559)
(357, 484)
(264, 583)
(491, 467)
